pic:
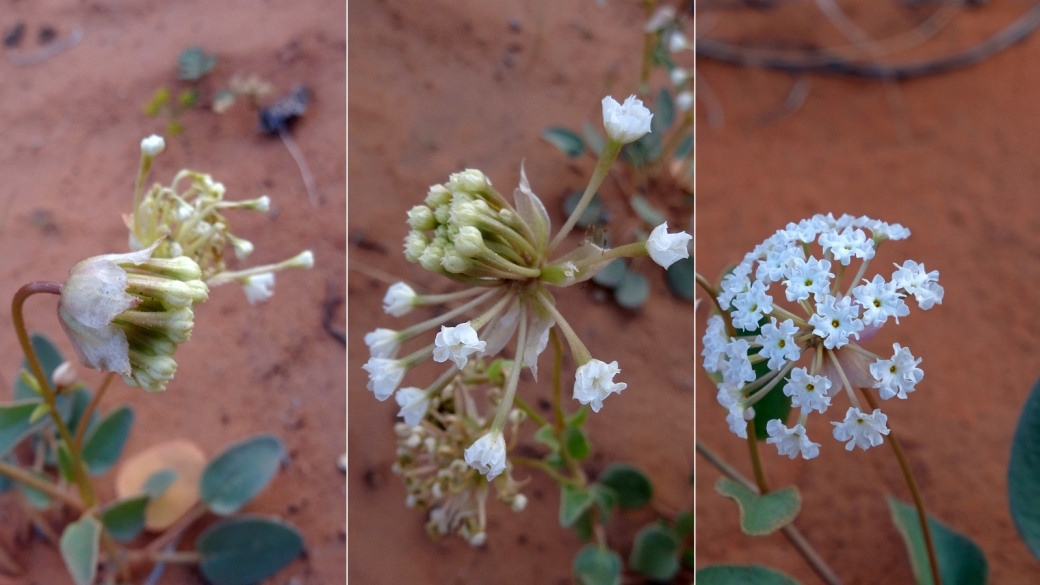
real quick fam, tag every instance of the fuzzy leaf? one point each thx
(1023, 473)
(573, 502)
(741, 575)
(79, 549)
(568, 142)
(246, 550)
(655, 553)
(124, 519)
(239, 473)
(631, 484)
(597, 566)
(103, 446)
(961, 561)
(762, 515)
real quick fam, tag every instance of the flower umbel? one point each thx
(828, 322)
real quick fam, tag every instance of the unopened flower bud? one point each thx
(469, 243)
(153, 145)
(431, 257)
(399, 299)
(684, 101)
(469, 181)
(438, 196)
(64, 375)
(243, 248)
(421, 217)
(414, 245)
(519, 502)
(626, 122)
(454, 262)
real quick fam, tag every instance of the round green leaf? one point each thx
(573, 502)
(664, 111)
(239, 473)
(1023, 473)
(761, 515)
(612, 274)
(14, 423)
(741, 575)
(246, 550)
(193, 63)
(593, 212)
(568, 142)
(684, 523)
(158, 482)
(633, 487)
(593, 138)
(104, 443)
(577, 444)
(124, 519)
(681, 279)
(547, 436)
(633, 291)
(597, 566)
(655, 553)
(79, 549)
(961, 561)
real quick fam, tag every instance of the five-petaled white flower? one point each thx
(808, 392)
(488, 455)
(835, 320)
(384, 376)
(751, 306)
(778, 343)
(860, 429)
(626, 122)
(457, 344)
(665, 248)
(897, 376)
(399, 299)
(880, 301)
(808, 276)
(594, 381)
(413, 403)
(791, 442)
(925, 286)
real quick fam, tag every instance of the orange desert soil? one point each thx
(439, 86)
(69, 151)
(951, 157)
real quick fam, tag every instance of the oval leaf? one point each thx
(655, 553)
(761, 515)
(568, 142)
(1023, 473)
(245, 550)
(50, 358)
(185, 459)
(593, 138)
(742, 575)
(14, 423)
(664, 111)
(79, 549)
(961, 561)
(633, 291)
(577, 444)
(239, 473)
(597, 566)
(160, 481)
(104, 444)
(633, 488)
(124, 519)
(681, 279)
(612, 274)
(573, 502)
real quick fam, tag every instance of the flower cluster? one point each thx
(432, 454)
(833, 325)
(189, 222)
(469, 232)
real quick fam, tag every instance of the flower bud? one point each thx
(243, 248)
(454, 262)
(469, 181)
(626, 122)
(414, 245)
(153, 145)
(439, 195)
(421, 217)
(469, 243)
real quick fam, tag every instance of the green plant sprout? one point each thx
(126, 314)
(450, 451)
(192, 65)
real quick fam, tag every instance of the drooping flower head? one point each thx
(831, 314)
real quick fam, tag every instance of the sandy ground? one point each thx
(440, 86)
(68, 154)
(953, 160)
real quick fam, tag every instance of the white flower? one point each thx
(661, 18)
(626, 122)
(791, 442)
(594, 381)
(384, 376)
(677, 42)
(778, 343)
(684, 101)
(880, 301)
(715, 341)
(258, 287)
(153, 145)
(667, 249)
(850, 242)
(835, 321)
(925, 287)
(808, 276)
(861, 430)
(678, 76)
(897, 376)
(736, 420)
(751, 306)
(382, 343)
(399, 299)
(488, 455)
(808, 392)
(738, 367)
(457, 344)
(413, 403)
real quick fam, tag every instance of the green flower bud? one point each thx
(439, 195)
(469, 243)
(414, 245)
(421, 217)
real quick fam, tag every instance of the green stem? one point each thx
(915, 491)
(531, 413)
(514, 375)
(756, 461)
(626, 251)
(557, 381)
(548, 469)
(84, 421)
(606, 159)
(86, 490)
(38, 483)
